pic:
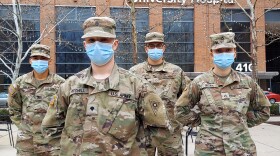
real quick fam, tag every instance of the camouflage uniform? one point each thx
(169, 81)
(106, 117)
(227, 108)
(28, 102)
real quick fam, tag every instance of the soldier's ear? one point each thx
(30, 60)
(146, 48)
(163, 47)
(211, 53)
(84, 43)
(115, 44)
(50, 60)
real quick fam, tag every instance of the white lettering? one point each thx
(209, 1)
(203, 1)
(159, 1)
(216, 2)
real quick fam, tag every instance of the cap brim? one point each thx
(228, 45)
(44, 55)
(154, 41)
(98, 34)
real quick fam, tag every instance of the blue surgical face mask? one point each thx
(40, 66)
(155, 54)
(100, 53)
(224, 60)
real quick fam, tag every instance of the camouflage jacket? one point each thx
(104, 117)
(226, 111)
(29, 100)
(169, 81)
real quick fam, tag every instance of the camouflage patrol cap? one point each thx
(99, 27)
(40, 50)
(154, 37)
(222, 40)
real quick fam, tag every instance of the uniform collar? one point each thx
(112, 82)
(153, 68)
(33, 81)
(233, 77)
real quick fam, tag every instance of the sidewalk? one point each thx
(265, 136)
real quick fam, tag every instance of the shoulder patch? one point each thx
(154, 106)
(12, 89)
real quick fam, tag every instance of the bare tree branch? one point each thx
(43, 36)
(243, 10)
(6, 59)
(1, 71)
(9, 30)
(268, 11)
(5, 64)
(270, 42)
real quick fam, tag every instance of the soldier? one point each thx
(29, 97)
(104, 109)
(229, 103)
(169, 81)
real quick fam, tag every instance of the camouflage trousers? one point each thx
(171, 147)
(33, 145)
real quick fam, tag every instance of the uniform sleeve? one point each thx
(15, 104)
(184, 112)
(259, 108)
(185, 81)
(153, 114)
(54, 119)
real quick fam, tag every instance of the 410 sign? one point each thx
(244, 67)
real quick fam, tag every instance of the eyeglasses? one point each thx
(39, 58)
(152, 46)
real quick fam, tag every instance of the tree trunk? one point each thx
(134, 33)
(18, 23)
(254, 40)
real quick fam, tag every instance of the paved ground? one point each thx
(266, 137)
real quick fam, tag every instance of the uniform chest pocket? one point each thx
(209, 103)
(121, 121)
(241, 97)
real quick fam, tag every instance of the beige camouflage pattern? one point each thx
(106, 117)
(226, 111)
(169, 81)
(99, 27)
(40, 50)
(28, 102)
(154, 37)
(222, 40)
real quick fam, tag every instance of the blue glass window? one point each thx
(124, 54)
(237, 21)
(8, 41)
(179, 37)
(70, 54)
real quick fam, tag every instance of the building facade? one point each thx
(186, 24)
